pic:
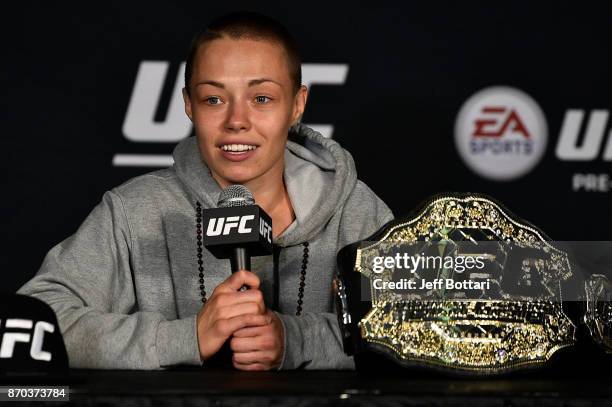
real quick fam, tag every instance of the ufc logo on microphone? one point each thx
(265, 230)
(9, 339)
(224, 226)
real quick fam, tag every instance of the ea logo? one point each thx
(501, 133)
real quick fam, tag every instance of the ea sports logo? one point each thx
(501, 133)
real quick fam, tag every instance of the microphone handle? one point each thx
(241, 260)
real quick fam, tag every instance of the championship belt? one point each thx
(504, 316)
(598, 315)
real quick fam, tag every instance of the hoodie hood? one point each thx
(319, 175)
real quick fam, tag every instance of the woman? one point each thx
(131, 287)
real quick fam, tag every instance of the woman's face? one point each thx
(242, 104)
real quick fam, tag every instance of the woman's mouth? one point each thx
(237, 148)
(237, 152)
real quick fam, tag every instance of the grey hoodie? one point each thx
(125, 286)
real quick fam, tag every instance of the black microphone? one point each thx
(237, 229)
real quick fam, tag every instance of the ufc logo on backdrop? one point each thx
(594, 141)
(224, 226)
(36, 339)
(588, 146)
(139, 125)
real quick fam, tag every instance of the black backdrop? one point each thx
(68, 74)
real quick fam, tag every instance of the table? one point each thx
(191, 386)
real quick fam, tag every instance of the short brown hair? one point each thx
(248, 25)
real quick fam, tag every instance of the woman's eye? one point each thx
(213, 100)
(262, 99)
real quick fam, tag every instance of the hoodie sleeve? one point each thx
(313, 340)
(363, 214)
(87, 280)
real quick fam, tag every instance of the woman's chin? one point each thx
(237, 177)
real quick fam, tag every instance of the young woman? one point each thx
(133, 287)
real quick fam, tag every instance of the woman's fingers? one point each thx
(251, 344)
(237, 280)
(229, 326)
(249, 358)
(249, 332)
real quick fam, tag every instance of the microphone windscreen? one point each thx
(235, 195)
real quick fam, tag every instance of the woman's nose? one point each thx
(237, 117)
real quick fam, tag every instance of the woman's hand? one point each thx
(259, 347)
(228, 310)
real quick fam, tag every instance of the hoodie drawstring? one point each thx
(275, 262)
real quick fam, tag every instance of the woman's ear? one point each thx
(299, 105)
(187, 101)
